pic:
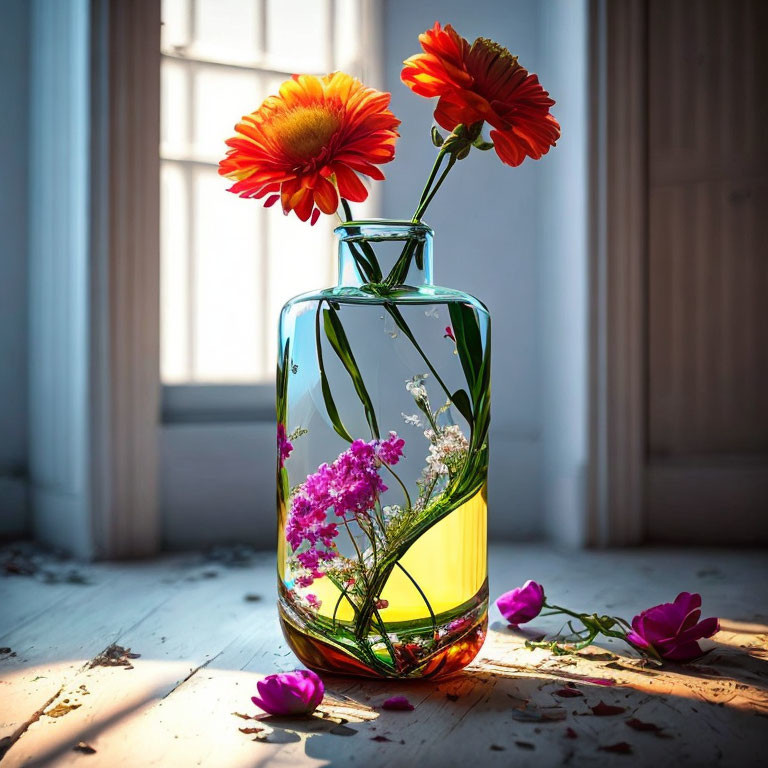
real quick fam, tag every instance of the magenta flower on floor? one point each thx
(668, 631)
(673, 629)
(398, 703)
(291, 693)
(522, 604)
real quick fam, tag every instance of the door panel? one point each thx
(707, 310)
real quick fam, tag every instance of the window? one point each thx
(227, 264)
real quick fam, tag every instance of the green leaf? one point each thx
(468, 341)
(282, 383)
(481, 144)
(283, 490)
(330, 405)
(366, 261)
(437, 139)
(419, 254)
(374, 262)
(336, 335)
(461, 400)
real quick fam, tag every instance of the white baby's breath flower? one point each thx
(446, 452)
(414, 420)
(416, 388)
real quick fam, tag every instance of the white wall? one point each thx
(516, 238)
(513, 237)
(14, 131)
(563, 276)
(486, 240)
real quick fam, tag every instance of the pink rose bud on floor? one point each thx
(673, 629)
(398, 703)
(291, 693)
(522, 604)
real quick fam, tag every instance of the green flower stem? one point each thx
(594, 625)
(359, 553)
(425, 203)
(432, 174)
(400, 483)
(603, 624)
(366, 262)
(385, 637)
(431, 419)
(400, 269)
(423, 596)
(431, 490)
(344, 594)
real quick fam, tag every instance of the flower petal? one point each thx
(350, 186)
(398, 703)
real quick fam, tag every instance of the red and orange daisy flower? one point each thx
(483, 82)
(307, 145)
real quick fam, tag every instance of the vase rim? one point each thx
(394, 229)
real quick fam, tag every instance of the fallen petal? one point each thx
(622, 748)
(398, 703)
(605, 710)
(525, 745)
(639, 725)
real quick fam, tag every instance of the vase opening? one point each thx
(386, 241)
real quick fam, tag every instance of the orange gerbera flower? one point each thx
(308, 144)
(483, 82)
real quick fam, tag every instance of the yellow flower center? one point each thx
(304, 131)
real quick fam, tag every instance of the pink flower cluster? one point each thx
(351, 485)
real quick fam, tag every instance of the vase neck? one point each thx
(373, 251)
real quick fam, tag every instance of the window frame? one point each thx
(224, 402)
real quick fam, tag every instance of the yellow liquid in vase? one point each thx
(449, 564)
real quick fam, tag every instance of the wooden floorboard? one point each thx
(203, 646)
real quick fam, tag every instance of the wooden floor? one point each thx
(186, 639)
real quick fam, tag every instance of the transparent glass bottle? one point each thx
(383, 396)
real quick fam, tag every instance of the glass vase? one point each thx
(383, 407)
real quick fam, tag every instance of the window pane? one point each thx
(228, 283)
(174, 331)
(174, 94)
(228, 264)
(300, 259)
(297, 35)
(175, 30)
(228, 30)
(347, 35)
(221, 97)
